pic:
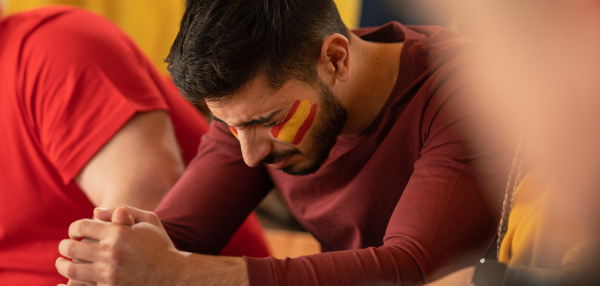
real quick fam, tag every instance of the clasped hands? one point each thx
(121, 246)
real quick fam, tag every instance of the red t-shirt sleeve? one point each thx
(214, 196)
(83, 79)
(429, 226)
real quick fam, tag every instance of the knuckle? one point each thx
(79, 227)
(117, 235)
(151, 217)
(110, 250)
(116, 258)
(112, 253)
(71, 271)
(112, 275)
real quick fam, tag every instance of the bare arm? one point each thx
(137, 166)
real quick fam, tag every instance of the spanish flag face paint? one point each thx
(233, 131)
(296, 123)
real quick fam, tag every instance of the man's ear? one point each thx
(334, 61)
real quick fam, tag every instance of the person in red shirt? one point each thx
(86, 121)
(368, 136)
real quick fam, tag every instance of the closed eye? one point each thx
(270, 125)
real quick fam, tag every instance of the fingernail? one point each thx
(101, 209)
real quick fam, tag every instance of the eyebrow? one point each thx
(257, 121)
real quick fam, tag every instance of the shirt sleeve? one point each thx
(430, 226)
(83, 79)
(214, 196)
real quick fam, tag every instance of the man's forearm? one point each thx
(198, 269)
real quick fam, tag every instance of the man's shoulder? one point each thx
(442, 60)
(36, 18)
(76, 40)
(63, 27)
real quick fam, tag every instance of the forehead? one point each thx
(258, 99)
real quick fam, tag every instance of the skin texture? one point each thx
(137, 166)
(289, 123)
(143, 251)
(297, 122)
(376, 78)
(144, 242)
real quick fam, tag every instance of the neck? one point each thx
(374, 71)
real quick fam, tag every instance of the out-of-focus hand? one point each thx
(459, 278)
(132, 250)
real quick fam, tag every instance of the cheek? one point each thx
(234, 132)
(295, 125)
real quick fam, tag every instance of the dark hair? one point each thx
(223, 44)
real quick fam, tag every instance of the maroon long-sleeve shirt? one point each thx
(394, 204)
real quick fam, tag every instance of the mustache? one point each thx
(276, 157)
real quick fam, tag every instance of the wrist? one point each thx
(198, 269)
(177, 268)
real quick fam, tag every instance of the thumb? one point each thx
(127, 216)
(122, 216)
(103, 214)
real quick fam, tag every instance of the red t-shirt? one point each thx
(395, 204)
(69, 80)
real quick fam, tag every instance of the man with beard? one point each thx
(367, 135)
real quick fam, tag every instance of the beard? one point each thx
(324, 135)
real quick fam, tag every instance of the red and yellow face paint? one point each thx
(295, 125)
(234, 132)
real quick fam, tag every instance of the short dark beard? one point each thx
(276, 157)
(333, 119)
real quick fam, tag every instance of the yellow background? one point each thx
(153, 24)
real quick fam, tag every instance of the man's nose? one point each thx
(255, 146)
